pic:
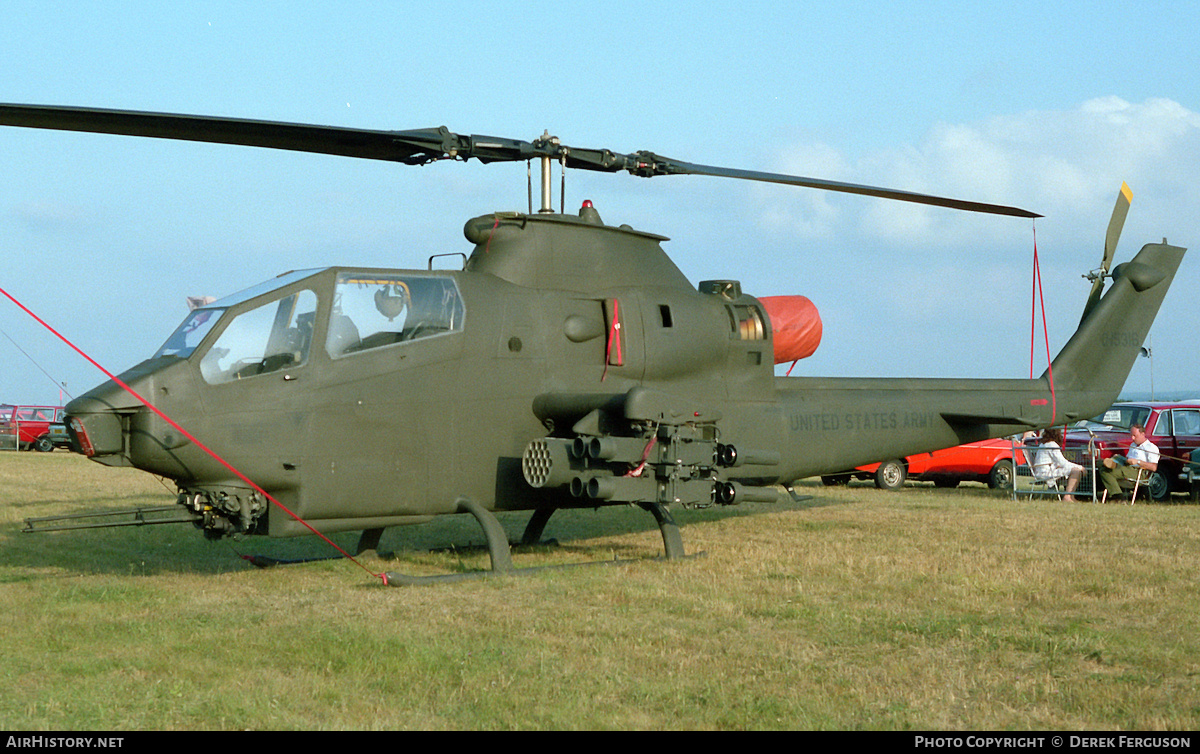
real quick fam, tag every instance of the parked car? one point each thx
(1189, 478)
(1173, 427)
(989, 461)
(37, 427)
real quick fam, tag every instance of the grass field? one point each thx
(922, 609)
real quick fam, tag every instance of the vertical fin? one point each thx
(1097, 359)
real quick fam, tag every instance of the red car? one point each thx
(38, 427)
(1173, 427)
(989, 461)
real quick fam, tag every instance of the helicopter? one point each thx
(568, 364)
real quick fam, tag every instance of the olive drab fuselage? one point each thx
(568, 364)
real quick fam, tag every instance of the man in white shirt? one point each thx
(1142, 457)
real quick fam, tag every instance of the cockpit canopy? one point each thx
(271, 326)
(373, 310)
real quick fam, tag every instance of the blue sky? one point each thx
(1046, 106)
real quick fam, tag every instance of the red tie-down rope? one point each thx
(189, 436)
(614, 338)
(1038, 298)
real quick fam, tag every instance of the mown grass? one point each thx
(924, 609)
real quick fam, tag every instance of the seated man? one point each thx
(1050, 464)
(1142, 456)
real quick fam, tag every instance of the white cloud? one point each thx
(1065, 164)
(804, 213)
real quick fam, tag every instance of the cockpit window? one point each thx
(271, 337)
(371, 311)
(185, 339)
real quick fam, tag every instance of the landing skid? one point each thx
(501, 553)
(498, 547)
(368, 546)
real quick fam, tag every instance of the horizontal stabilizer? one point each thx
(970, 420)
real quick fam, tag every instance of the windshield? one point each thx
(1117, 417)
(188, 335)
(185, 339)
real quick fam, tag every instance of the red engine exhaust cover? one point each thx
(796, 325)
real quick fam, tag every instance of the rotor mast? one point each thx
(547, 161)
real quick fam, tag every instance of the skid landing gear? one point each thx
(536, 525)
(672, 541)
(368, 543)
(368, 546)
(501, 554)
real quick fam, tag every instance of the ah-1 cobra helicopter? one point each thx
(568, 364)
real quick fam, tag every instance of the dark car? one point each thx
(37, 427)
(1173, 427)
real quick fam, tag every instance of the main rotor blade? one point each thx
(673, 167)
(421, 146)
(411, 147)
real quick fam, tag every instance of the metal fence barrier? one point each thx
(1032, 475)
(9, 433)
(9, 436)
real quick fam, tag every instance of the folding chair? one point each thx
(1142, 476)
(1042, 479)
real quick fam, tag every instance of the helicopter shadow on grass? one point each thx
(456, 542)
(141, 551)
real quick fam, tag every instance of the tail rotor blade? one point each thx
(1116, 224)
(1124, 197)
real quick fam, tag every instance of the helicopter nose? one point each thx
(111, 425)
(98, 422)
